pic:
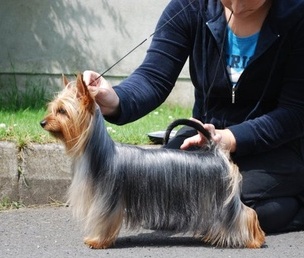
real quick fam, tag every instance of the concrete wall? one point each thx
(42, 39)
(36, 174)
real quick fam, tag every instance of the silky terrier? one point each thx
(195, 192)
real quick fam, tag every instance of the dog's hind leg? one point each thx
(105, 231)
(256, 235)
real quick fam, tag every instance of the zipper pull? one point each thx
(233, 94)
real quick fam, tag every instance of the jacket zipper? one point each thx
(234, 88)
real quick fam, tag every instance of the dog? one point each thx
(195, 192)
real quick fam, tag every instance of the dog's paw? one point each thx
(96, 243)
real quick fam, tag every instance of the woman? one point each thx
(247, 66)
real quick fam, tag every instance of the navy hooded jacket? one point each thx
(269, 104)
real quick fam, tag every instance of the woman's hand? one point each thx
(105, 96)
(223, 137)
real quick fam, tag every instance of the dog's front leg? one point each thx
(98, 243)
(106, 239)
(105, 231)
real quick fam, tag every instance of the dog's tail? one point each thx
(190, 123)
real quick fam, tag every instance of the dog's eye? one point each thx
(61, 111)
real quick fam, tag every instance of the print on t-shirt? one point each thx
(239, 50)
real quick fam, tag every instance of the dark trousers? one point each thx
(272, 182)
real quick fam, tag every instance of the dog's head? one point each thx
(70, 115)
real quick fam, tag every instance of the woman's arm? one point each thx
(150, 84)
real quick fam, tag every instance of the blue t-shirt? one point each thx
(239, 50)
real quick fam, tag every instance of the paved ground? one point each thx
(51, 232)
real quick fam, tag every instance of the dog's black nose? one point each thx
(43, 123)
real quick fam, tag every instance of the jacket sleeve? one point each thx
(285, 122)
(150, 84)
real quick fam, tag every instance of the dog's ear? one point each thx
(82, 90)
(65, 80)
(84, 95)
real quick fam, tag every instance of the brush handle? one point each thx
(187, 122)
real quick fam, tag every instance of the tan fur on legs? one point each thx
(257, 236)
(106, 229)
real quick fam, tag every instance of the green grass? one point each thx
(23, 127)
(6, 204)
(22, 110)
(33, 96)
(136, 132)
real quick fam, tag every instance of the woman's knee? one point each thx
(277, 213)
